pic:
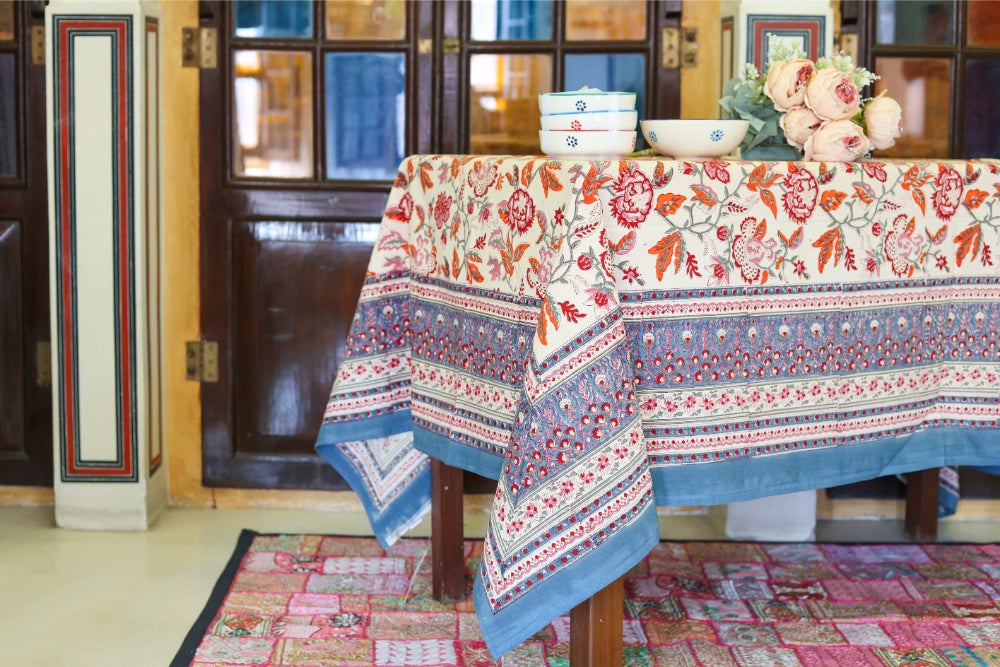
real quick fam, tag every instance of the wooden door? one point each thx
(25, 391)
(310, 109)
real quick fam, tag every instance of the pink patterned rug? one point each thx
(299, 600)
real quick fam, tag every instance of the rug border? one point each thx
(192, 640)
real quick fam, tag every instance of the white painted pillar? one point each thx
(102, 71)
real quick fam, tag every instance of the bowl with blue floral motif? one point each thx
(593, 145)
(585, 100)
(694, 138)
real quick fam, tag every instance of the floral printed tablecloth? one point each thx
(606, 336)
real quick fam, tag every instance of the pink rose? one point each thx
(786, 83)
(838, 141)
(948, 192)
(634, 199)
(832, 95)
(798, 125)
(800, 195)
(884, 119)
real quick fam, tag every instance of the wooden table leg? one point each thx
(921, 520)
(595, 628)
(447, 549)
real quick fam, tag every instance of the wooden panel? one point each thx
(296, 292)
(26, 401)
(11, 352)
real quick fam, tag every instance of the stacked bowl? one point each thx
(588, 124)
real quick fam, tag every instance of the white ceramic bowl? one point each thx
(585, 100)
(616, 121)
(694, 138)
(594, 144)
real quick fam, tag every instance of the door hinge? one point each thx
(202, 361)
(38, 45)
(198, 47)
(43, 363)
(451, 46)
(679, 48)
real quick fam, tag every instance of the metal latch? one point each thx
(199, 47)
(43, 363)
(679, 48)
(451, 46)
(202, 361)
(38, 45)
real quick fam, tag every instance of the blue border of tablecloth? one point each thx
(565, 588)
(404, 511)
(458, 455)
(740, 479)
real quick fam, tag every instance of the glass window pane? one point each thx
(365, 114)
(982, 110)
(366, 19)
(272, 94)
(6, 20)
(503, 117)
(494, 20)
(8, 131)
(922, 86)
(915, 22)
(274, 18)
(620, 71)
(588, 20)
(983, 23)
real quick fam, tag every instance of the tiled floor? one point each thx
(79, 598)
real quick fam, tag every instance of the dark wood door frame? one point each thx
(24, 214)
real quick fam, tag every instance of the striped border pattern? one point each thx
(66, 30)
(761, 28)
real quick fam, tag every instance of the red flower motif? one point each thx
(482, 177)
(442, 209)
(800, 195)
(520, 211)
(948, 194)
(875, 170)
(634, 200)
(717, 170)
(583, 261)
(722, 233)
(403, 210)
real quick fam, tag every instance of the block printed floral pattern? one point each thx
(594, 330)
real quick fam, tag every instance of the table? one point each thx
(603, 337)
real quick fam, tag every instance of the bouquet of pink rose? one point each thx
(816, 107)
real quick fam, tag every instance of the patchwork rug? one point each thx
(316, 600)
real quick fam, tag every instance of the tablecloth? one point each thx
(606, 336)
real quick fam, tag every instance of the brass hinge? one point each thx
(43, 363)
(198, 47)
(202, 361)
(38, 45)
(679, 48)
(451, 46)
